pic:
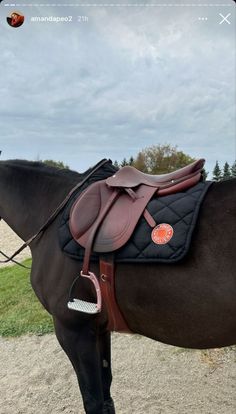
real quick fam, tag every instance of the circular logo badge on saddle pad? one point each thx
(162, 233)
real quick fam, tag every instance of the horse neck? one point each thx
(26, 203)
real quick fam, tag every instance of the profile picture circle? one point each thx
(15, 19)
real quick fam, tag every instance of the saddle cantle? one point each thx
(105, 215)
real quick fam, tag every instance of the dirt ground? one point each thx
(149, 377)
(9, 243)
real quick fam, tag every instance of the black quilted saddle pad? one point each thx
(179, 210)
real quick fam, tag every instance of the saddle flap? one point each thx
(85, 210)
(118, 223)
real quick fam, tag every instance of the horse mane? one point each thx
(38, 166)
(52, 171)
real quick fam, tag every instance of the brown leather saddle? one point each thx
(105, 215)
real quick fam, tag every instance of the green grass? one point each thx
(20, 311)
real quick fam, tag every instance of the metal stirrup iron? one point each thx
(83, 306)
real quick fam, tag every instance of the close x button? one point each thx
(225, 19)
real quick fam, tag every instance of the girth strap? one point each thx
(116, 321)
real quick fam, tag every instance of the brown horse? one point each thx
(189, 304)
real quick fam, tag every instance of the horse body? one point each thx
(189, 304)
(192, 303)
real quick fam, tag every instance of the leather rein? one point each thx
(51, 218)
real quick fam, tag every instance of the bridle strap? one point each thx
(53, 215)
(14, 261)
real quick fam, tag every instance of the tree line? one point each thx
(225, 173)
(162, 159)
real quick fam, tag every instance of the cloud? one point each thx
(125, 79)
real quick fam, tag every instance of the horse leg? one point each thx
(80, 345)
(105, 358)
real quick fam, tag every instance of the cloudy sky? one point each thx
(115, 80)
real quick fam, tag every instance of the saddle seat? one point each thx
(130, 177)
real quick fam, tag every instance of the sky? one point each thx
(117, 79)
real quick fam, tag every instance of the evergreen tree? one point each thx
(226, 172)
(233, 170)
(217, 172)
(204, 174)
(131, 160)
(124, 162)
(116, 164)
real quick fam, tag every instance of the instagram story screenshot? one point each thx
(118, 207)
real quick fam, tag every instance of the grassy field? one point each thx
(20, 311)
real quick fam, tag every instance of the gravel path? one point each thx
(149, 377)
(9, 243)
